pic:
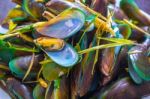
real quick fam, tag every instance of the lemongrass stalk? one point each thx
(136, 27)
(30, 67)
(102, 47)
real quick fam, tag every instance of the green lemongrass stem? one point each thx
(46, 61)
(2, 37)
(92, 11)
(30, 67)
(134, 52)
(4, 67)
(56, 88)
(21, 30)
(98, 33)
(47, 89)
(39, 73)
(102, 47)
(118, 40)
(23, 49)
(25, 37)
(27, 28)
(84, 32)
(136, 27)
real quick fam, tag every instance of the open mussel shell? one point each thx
(20, 90)
(50, 44)
(66, 57)
(140, 62)
(69, 22)
(52, 71)
(20, 65)
(125, 89)
(39, 92)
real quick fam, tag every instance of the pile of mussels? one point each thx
(76, 49)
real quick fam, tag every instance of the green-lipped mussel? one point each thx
(70, 22)
(20, 65)
(18, 89)
(139, 62)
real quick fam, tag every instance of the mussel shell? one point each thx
(20, 65)
(39, 92)
(100, 6)
(16, 15)
(58, 6)
(125, 89)
(140, 62)
(19, 89)
(35, 9)
(135, 77)
(82, 76)
(144, 5)
(133, 11)
(61, 89)
(119, 14)
(5, 7)
(66, 57)
(3, 30)
(137, 36)
(4, 91)
(69, 22)
(50, 44)
(17, 1)
(52, 71)
(109, 61)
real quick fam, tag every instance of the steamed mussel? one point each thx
(75, 49)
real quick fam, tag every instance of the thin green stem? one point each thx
(102, 47)
(30, 67)
(136, 27)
